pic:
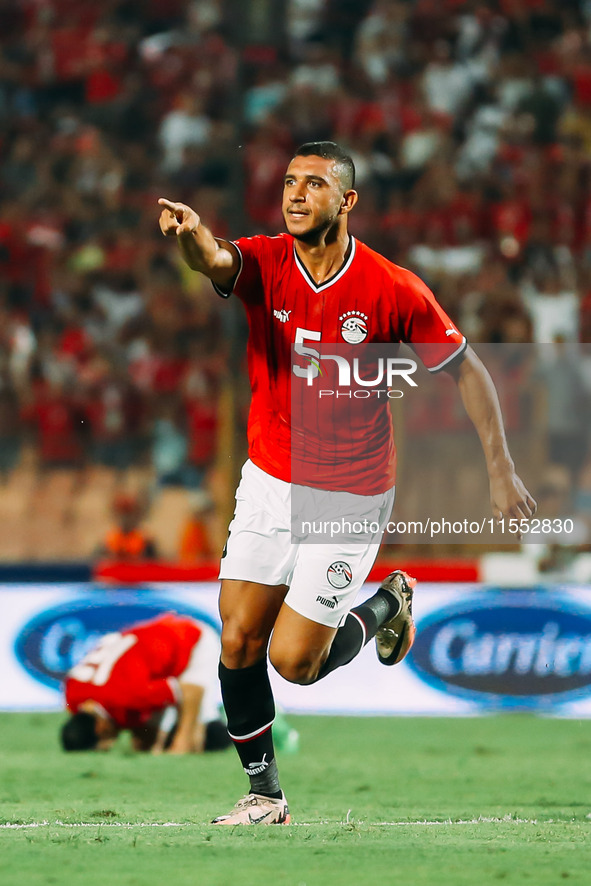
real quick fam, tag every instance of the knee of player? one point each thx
(240, 648)
(301, 670)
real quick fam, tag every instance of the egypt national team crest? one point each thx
(353, 327)
(339, 574)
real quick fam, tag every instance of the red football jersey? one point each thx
(133, 673)
(344, 442)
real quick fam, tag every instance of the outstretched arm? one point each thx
(509, 497)
(217, 259)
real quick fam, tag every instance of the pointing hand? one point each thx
(177, 219)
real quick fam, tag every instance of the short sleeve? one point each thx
(425, 325)
(248, 282)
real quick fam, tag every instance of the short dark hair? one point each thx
(79, 732)
(331, 151)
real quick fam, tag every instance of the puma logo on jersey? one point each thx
(452, 331)
(282, 315)
(331, 602)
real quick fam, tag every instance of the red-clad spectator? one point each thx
(202, 430)
(74, 344)
(512, 219)
(69, 48)
(15, 253)
(116, 414)
(581, 81)
(45, 241)
(123, 252)
(265, 164)
(104, 63)
(57, 418)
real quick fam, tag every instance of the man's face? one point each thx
(312, 197)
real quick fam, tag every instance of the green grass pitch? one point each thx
(374, 800)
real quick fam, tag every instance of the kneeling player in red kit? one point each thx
(134, 679)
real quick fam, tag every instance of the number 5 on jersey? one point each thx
(310, 369)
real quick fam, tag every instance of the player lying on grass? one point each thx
(292, 600)
(132, 679)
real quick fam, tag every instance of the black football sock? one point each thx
(361, 624)
(250, 709)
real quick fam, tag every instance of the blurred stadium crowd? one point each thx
(470, 127)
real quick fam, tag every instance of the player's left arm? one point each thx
(158, 694)
(188, 737)
(508, 495)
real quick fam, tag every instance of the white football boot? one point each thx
(256, 809)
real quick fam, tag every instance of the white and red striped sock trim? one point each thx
(250, 735)
(363, 627)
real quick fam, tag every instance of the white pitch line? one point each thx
(97, 824)
(507, 819)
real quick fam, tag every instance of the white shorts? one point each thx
(323, 579)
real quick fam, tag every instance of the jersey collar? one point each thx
(350, 255)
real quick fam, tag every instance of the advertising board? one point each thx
(478, 649)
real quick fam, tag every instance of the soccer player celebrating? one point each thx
(316, 283)
(133, 678)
